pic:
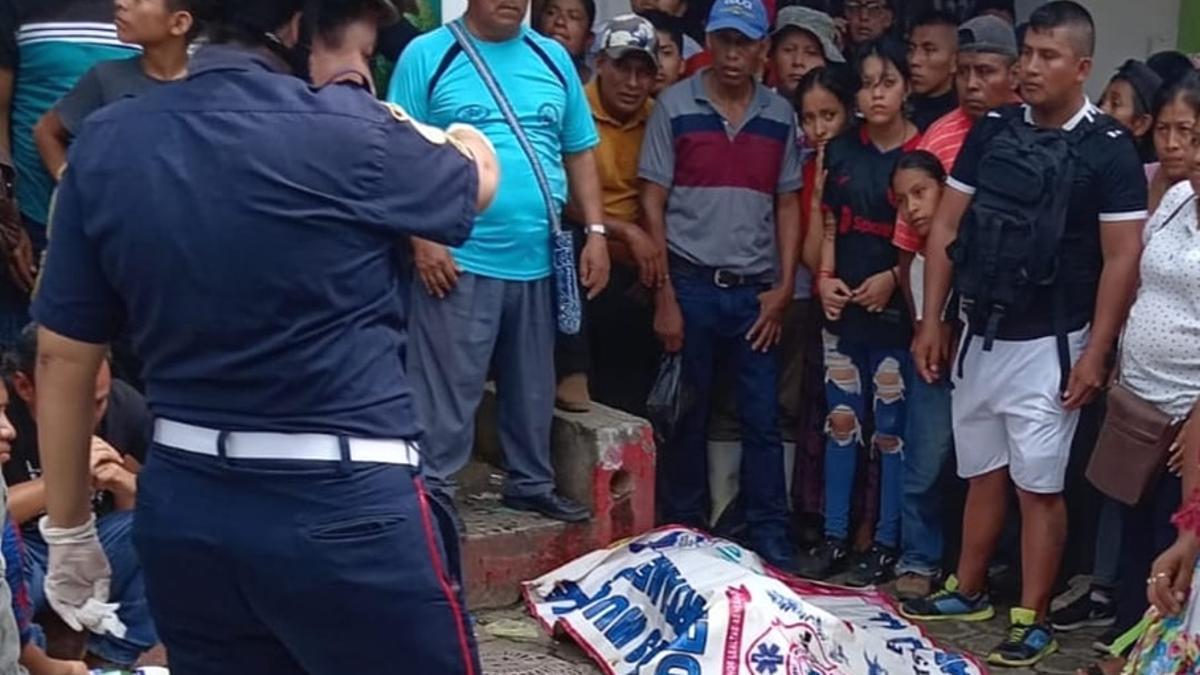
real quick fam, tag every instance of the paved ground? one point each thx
(511, 643)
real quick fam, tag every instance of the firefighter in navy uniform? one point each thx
(241, 226)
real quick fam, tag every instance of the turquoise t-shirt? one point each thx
(50, 47)
(511, 239)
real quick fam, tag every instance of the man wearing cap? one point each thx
(284, 478)
(803, 39)
(623, 351)
(720, 179)
(985, 80)
(491, 300)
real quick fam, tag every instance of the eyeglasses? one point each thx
(867, 8)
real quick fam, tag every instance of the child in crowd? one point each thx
(163, 29)
(570, 23)
(1174, 120)
(1129, 99)
(669, 31)
(917, 185)
(824, 100)
(869, 329)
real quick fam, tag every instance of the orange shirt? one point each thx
(943, 140)
(617, 156)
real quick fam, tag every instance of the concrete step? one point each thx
(603, 459)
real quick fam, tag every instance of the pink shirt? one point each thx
(943, 140)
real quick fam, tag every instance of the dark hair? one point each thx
(1170, 66)
(1071, 15)
(1008, 6)
(836, 78)
(1021, 31)
(589, 8)
(889, 50)
(671, 25)
(22, 356)
(245, 21)
(327, 19)
(923, 161)
(933, 18)
(1185, 89)
(1146, 85)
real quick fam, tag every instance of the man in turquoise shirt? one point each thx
(491, 301)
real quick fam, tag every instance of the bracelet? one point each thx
(895, 275)
(824, 274)
(597, 229)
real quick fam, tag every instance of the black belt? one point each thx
(720, 277)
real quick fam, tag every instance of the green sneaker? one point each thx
(949, 604)
(1028, 642)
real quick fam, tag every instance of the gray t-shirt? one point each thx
(106, 82)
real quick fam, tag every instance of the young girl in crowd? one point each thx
(869, 327)
(1174, 121)
(824, 100)
(1129, 99)
(917, 187)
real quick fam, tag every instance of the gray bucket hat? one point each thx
(813, 21)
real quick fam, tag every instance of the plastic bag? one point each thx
(669, 398)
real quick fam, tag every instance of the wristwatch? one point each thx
(597, 229)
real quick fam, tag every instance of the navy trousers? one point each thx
(299, 568)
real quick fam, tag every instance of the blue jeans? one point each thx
(716, 320)
(322, 568)
(847, 393)
(128, 588)
(929, 442)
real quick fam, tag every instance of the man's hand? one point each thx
(1170, 578)
(436, 267)
(767, 330)
(594, 265)
(18, 248)
(931, 349)
(668, 325)
(876, 292)
(651, 262)
(1086, 380)
(103, 453)
(834, 296)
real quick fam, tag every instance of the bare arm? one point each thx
(66, 377)
(814, 238)
(1121, 243)
(930, 351)
(480, 149)
(584, 180)
(787, 233)
(27, 500)
(52, 139)
(668, 319)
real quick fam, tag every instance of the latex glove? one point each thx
(78, 578)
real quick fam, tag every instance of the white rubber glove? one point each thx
(79, 577)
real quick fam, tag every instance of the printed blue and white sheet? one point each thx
(678, 602)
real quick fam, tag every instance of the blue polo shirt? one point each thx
(242, 226)
(437, 84)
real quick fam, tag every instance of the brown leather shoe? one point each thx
(572, 395)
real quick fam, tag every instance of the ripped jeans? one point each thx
(847, 393)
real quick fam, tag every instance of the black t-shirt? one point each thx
(127, 426)
(858, 194)
(926, 110)
(1110, 186)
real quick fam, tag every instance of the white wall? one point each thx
(1125, 29)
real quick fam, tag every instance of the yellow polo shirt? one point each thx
(617, 156)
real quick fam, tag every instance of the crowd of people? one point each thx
(879, 245)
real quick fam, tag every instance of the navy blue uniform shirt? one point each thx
(242, 226)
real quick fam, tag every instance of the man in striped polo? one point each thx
(720, 179)
(985, 80)
(45, 47)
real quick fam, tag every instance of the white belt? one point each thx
(271, 445)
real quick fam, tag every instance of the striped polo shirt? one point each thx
(721, 178)
(943, 140)
(49, 44)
